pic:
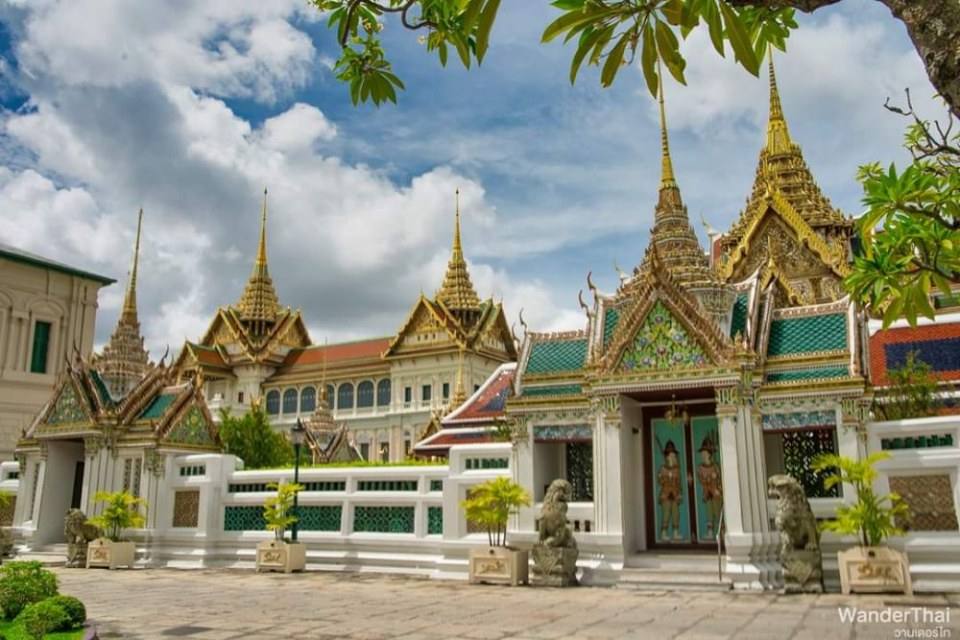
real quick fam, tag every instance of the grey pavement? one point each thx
(222, 604)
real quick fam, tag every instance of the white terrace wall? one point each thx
(404, 518)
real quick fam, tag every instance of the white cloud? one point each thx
(297, 129)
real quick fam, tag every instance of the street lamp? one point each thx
(297, 434)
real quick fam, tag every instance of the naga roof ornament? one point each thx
(124, 362)
(457, 293)
(258, 307)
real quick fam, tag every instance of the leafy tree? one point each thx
(121, 511)
(610, 33)
(489, 504)
(252, 439)
(911, 229)
(912, 392)
(869, 518)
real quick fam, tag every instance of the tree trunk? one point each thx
(933, 27)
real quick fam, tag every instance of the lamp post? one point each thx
(297, 434)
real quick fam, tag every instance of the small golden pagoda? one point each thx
(124, 362)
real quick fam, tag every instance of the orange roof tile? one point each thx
(359, 350)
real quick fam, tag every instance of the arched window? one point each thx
(290, 401)
(365, 394)
(383, 393)
(345, 396)
(273, 402)
(331, 397)
(308, 399)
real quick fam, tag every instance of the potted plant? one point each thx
(489, 505)
(121, 511)
(281, 554)
(871, 566)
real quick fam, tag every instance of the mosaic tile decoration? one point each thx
(799, 420)
(186, 508)
(562, 433)
(383, 519)
(930, 498)
(810, 334)
(67, 408)
(434, 520)
(552, 356)
(662, 342)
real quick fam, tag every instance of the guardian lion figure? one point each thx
(555, 554)
(79, 533)
(799, 538)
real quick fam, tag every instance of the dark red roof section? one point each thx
(936, 344)
(489, 404)
(360, 350)
(209, 356)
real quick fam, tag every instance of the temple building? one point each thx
(111, 422)
(703, 374)
(386, 391)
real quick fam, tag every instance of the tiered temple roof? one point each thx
(259, 306)
(124, 362)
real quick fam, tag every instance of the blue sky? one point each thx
(190, 109)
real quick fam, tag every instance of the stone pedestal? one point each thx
(874, 570)
(802, 571)
(555, 566)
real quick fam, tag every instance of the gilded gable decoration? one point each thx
(662, 342)
(192, 429)
(788, 220)
(68, 408)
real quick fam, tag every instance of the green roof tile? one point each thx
(791, 336)
(808, 374)
(158, 405)
(739, 322)
(610, 319)
(101, 386)
(557, 390)
(554, 356)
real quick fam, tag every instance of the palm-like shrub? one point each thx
(871, 518)
(277, 510)
(490, 504)
(122, 511)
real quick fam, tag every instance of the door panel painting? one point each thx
(707, 482)
(671, 509)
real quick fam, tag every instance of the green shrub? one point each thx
(74, 608)
(23, 583)
(40, 618)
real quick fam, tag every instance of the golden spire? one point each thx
(667, 179)
(457, 292)
(124, 361)
(259, 304)
(459, 393)
(129, 312)
(778, 137)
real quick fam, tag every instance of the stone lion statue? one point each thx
(555, 553)
(79, 533)
(799, 537)
(554, 530)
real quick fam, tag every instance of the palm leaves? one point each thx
(122, 511)
(277, 509)
(869, 518)
(490, 504)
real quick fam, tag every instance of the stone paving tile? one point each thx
(235, 604)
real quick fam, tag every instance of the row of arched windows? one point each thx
(341, 397)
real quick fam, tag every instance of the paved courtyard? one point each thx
(242, 604)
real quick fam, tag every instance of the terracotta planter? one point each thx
(103, 552)
(276, 555)
(499, 565)
(874, 570)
